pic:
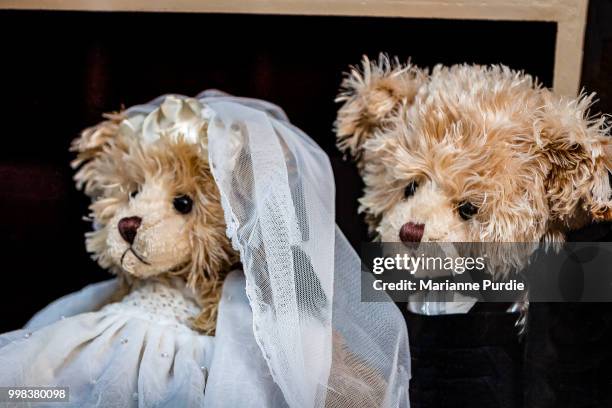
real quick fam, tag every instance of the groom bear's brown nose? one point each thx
(411, 232)
(128, 227)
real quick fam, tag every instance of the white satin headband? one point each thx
(176, 117)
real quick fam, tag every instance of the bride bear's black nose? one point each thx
(128, 227)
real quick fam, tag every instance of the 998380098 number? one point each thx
(34, 394)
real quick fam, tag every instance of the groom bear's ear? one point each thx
(371, 95)
(577, 150)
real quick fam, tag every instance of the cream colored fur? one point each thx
(534, 164)
(126, 178)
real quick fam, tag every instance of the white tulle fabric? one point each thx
(323, 346)
(292, 331)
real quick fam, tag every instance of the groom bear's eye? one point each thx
(133, 194)
(411, 189)
(183, 204)
(467, 210)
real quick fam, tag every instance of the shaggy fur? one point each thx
(534, 164)
(127, 178)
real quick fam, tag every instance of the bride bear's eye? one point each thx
(411, 189)
(133, 194)
(183, 204)
(467, 210)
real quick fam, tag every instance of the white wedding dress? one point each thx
(138, 348)
(139, 352)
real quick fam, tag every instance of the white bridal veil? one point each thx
(321, 345)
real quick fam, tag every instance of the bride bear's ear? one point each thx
(577, 150)
(371, 95)
(89, 146)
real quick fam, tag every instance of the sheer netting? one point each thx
(321, 344)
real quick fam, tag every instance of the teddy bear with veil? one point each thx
(183, 189)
